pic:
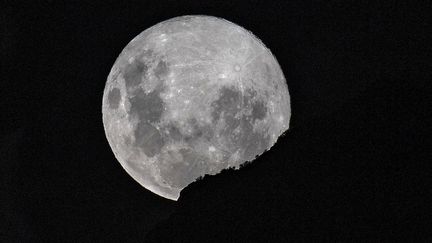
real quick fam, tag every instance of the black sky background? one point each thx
(355, 164)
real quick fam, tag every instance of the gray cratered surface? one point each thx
(192, 96)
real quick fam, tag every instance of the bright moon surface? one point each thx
(191, 96)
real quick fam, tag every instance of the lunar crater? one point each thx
(186, 101)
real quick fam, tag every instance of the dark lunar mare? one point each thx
(161, 70)
(230, 106)
(114, 97)
(259, 110)
(133, 73)
(146, 107)
(148, 139)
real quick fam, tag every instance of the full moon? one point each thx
(191, 96)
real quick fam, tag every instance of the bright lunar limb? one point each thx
(191, 96)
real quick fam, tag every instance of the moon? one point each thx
(191, 96)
